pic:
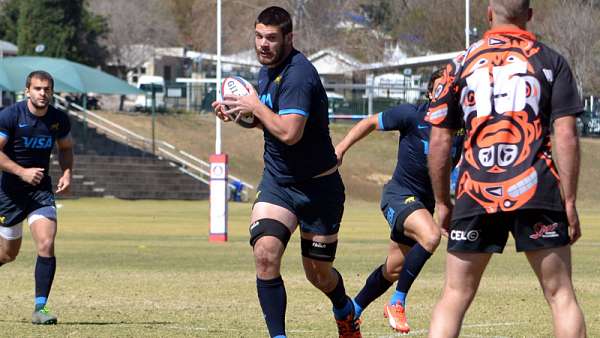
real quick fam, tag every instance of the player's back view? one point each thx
(510, 90)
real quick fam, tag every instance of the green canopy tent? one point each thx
(68, 76)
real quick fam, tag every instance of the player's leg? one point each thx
(382, 278)
(395, 211)
(43, 227)
(321, 206)
(11, 227)
(543, 235)
(463, 274)
(471, 242)
(270, 230)
(418, 228)
(10, 242)
(318, 253)
(553, 269)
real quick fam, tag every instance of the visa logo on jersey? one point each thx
(37, 142)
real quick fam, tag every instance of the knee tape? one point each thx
(317, 250)
(269, 227)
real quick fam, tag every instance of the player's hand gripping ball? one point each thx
(235, 85)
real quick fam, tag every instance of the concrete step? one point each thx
(107, 168)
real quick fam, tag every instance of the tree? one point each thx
(145, 23)
(64, 27)
(579, 43)
(8, 19)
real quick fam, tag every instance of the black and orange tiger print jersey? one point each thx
(507, 88)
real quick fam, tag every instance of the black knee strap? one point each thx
(269, 227)
(318, 250)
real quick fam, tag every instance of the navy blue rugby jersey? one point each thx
(294, 87)
(411, 171)
(30, 139)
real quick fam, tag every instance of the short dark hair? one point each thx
(434, 76)
(39, 74)
(276, 16)
(510, 11)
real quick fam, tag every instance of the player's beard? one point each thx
(277, 56)
(38, 105)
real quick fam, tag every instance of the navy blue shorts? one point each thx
(318, 203)
(16, 205)
(397, 203)
(532, 229)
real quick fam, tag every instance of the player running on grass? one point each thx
(300, 184)
(407, 204)
(28, 131)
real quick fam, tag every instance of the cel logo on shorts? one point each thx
(459, 235)
(410, 199)
(2, 218)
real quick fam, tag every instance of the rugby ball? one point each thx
(235, 85)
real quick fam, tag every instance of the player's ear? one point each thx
(288, 38)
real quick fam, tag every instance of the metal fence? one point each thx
(346, 101)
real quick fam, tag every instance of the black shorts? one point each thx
(318, 203)
(532, 229)
(396, 205)
(17, 204)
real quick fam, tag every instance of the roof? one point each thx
(417, 61)
(244, 58)
(331, 61)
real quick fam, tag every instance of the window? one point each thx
(167, 73)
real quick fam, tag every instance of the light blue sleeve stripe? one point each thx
(380, 121)
(3, 135)
(293, 111)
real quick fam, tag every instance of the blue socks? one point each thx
(44, 276)
(342, 305)
(375, 286)
(398, 297)
(413, 263)
(273, 301)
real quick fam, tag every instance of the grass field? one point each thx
(145, 268)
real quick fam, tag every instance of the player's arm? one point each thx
(440, 165)
(288, 128)
(32, 176)
(358, 132)
(567, 157)
(65, 160)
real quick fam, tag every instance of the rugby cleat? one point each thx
(396, 317)
(349, 327)
(43, 317)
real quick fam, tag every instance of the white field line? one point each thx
(365, 333)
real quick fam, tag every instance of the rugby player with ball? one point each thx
(300, 184)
